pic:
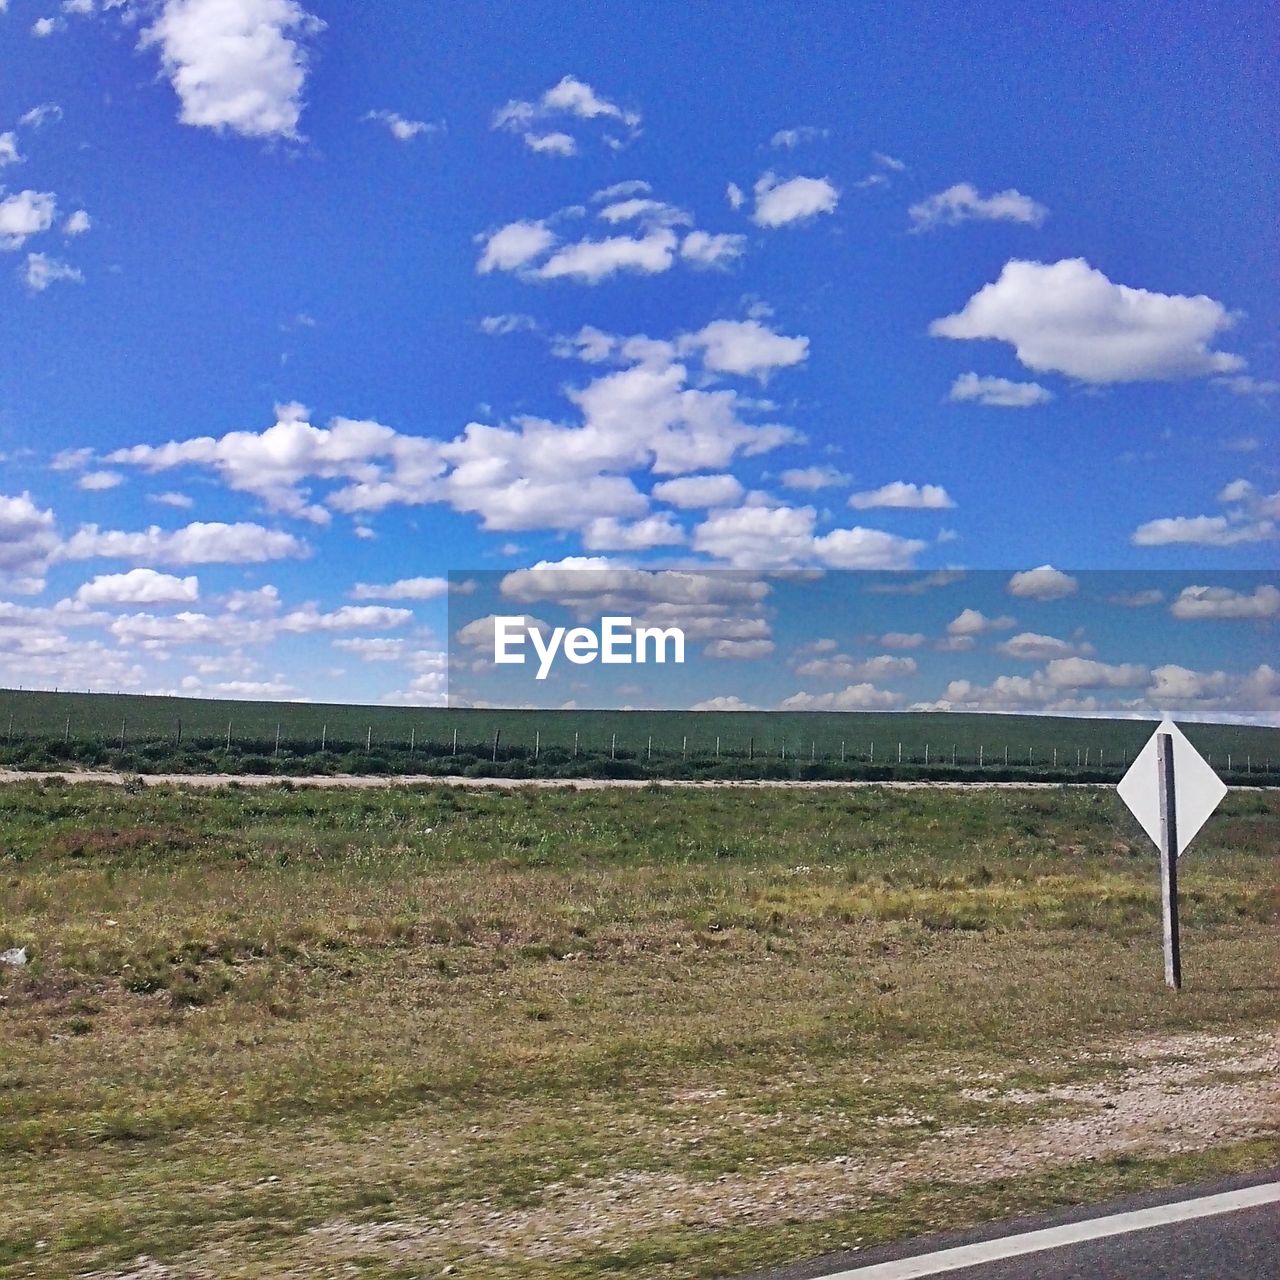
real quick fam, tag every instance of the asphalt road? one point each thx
(1228, 1243)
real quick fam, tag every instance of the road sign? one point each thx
(1198, 789)
(1171, 790)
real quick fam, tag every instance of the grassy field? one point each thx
(190, 735)
(285, 1033)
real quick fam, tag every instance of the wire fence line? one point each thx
(559, 750)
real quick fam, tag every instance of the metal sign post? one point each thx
(1171, 790)
(1169, 860)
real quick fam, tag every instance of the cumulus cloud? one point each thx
(900, 494)
(1000, 393)
(1028, 646)
(569, 100)
(237, 65)
(9, 153)
(723, 702)
(25, 214)
(1044, 583)
(745, 347)
(973, 622)
(811, 479)
(28, 540)
(689, 492)
(402, 589)
(705, 249)
(735, 196)
(77, 223)
(790, 139)
(96, 481)
(551, 144)
(1088, 673)
(855, 697)
(1067, 317)
(1203, 531)
(841, 666)
(1201, 603)
(590, 261)
(138, 586)
(963, 203)
(401, 128)
(514, 245)
(40, 271)
(797, 200)
(198, 543)
(39, 116)
(739, 650)
(767, 536)
(607, 533)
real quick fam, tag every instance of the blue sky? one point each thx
(301, 303)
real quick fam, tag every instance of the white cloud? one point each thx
(646, 210)
(553, 144)
(607, 533)
(932, 497)
(811, 479)
(509, 322)
(77, 223)
(42, 28)
(571, 99)
(403, 589)
(1001, 393)
(1137, 599)
(1069, 318)
(973, 622)
(734, 195)
(1087, 673)
(514, 245)
(764, 536)
(1028, 646)
(780, 204)
(400, 127)
(41, 115)
(856, 697)
(373, 648)
(590, 261)
(96, 481)
(841, 666)
(1044, 583)
(723, 702)
(28, 540)
(1244, 384)
(792, 138)
(888, 162)
(739, 650)
(962, 203)
(198, 543)
(138, 586)
(236, 64)
(179, 500)
(688, 492)
(1204, 531)
(705, 249)
(621, 191)
(25, 214)
(40, 271)
(1197, 603)
(9, 153)
(902, 639)
(745, 347)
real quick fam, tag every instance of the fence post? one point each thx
(497, 733)
(66, 733)
(979, 755)
(575, 744)
(899, 753)
(123, 720)
(537, 744)
(684, 747)
(717, 746)
(368, 738)
(277, 738)
(953, 755)
(842, 751)
(873, 753)
(228, 735)
(812, 751)
(926, 754)
(413, 739)
(648, 751)
(613, 747)
(751, 748)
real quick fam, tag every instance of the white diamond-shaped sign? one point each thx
(1197, 790)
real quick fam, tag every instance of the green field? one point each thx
(564, 1034)
(191, 735)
